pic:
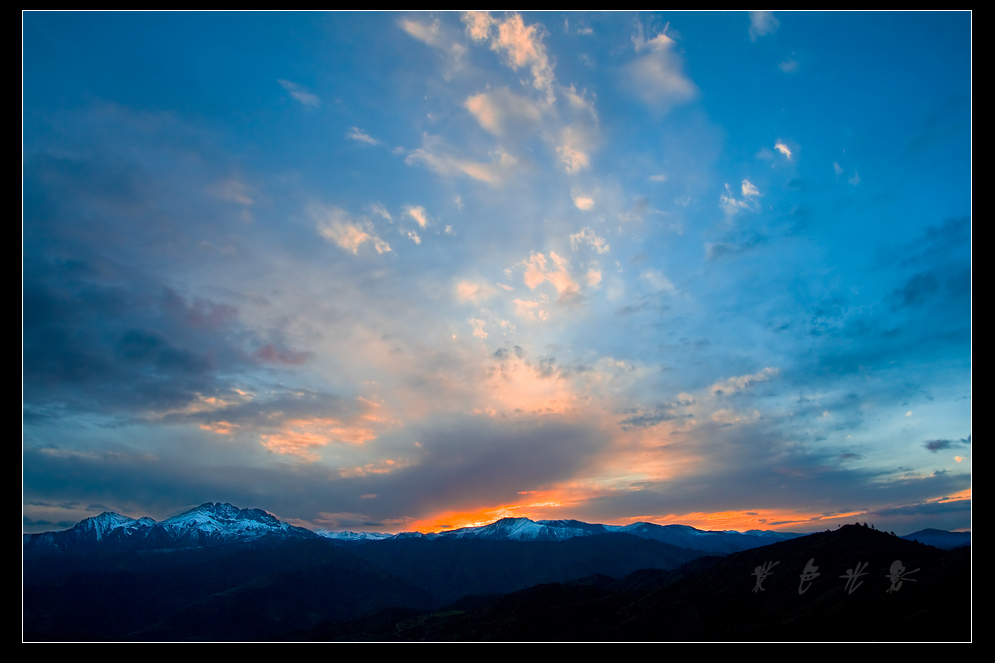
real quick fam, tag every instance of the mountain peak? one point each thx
(211, 523)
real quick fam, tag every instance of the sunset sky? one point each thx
(394, 272)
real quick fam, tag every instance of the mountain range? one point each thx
(215, 523)
(218, 572)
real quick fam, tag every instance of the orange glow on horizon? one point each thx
(570, 501)
(540, 501)
(741, 521)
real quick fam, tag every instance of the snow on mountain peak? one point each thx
(100, 525)
(217, 519)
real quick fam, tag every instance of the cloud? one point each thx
(272, 354)
(530, 309)
(656, 280)
(572, 149)
(335, 225)
(837, 168)
(292, 443)
(742, 382)
(417, 213)
(437, 36)
(731, 205)
(537, 271)
(657, 77)
(788, 66)
(681, 408)
(427, 33)
(475, 292)
(435, 155)
(478, 328)
(522, 47)
(762, 23)
(380, 210)
(478, 24)
(732, 417)
(582, 201)
(855, 180)
(939, 445)
(413, 236)
(358, 134)
(301, 94)
(589, 237)
(919, 289)
(783, 149)
(303, 436)
(232, 190)
(580, 102)
(502, 112)
(118, 344)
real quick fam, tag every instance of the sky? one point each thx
(416, 271)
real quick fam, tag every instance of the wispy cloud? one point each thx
(417, 212)
(591, 239)
(358, 134)
(438, 36)
(502, 112)
(762, 23)
(941, 445)
(658, 77)
(434, 154)
(301, 94)
(232, 190)
(335, 225)
(731, 205)
(741, 382)
(474, 291)
(573, 150)
(380, 210)
(428, 33)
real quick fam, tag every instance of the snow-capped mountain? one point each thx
(524, 529)
(216, 523)
(213, 523)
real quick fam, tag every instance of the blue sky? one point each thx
(389, 271)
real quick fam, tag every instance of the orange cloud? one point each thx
(536, 272)
(292, 443)
(385, 466)
(219, 427)
(516, 386)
